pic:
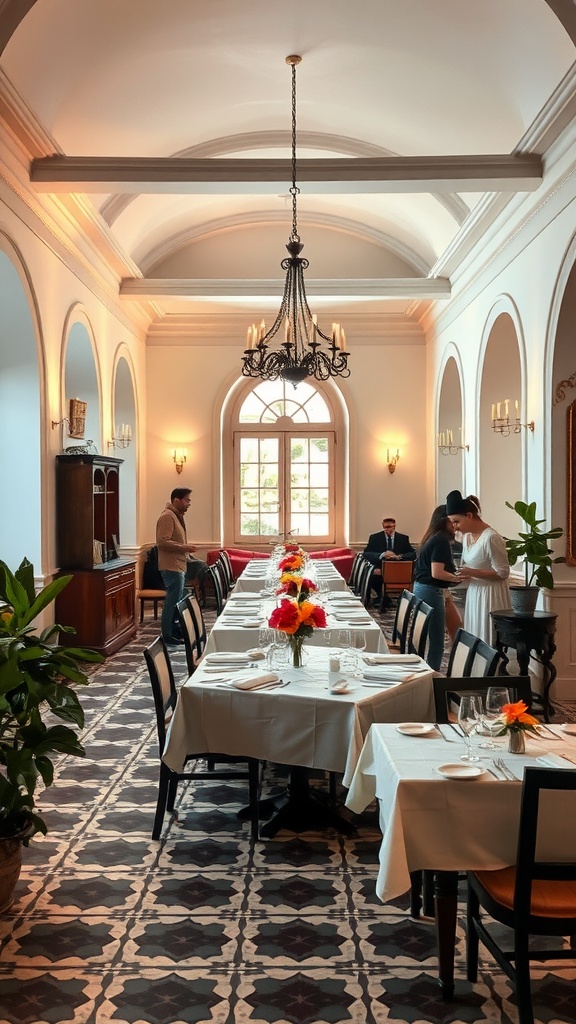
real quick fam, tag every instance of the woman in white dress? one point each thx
(484, 564)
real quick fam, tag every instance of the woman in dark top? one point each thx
(433, 574)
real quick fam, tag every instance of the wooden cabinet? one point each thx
(99, 602)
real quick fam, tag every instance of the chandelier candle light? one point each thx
(300, 355)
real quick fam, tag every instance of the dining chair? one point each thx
(165, 696)
(418, 629)
(447, 691)
(225, 564)
(214, 574)
(189, 634)
(396, 577)
(532, 898)
(399, 639)
(484, 660)
(462, 653)
(364, 588)
(355, 571)
(199, 623)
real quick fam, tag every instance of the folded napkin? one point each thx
(392, 659)
(255, 682)
(227, 657)
(393, 674)
(255, 654)
(556, 761)
(244, 597)
(351, 618)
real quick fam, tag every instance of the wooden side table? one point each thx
(530, 635)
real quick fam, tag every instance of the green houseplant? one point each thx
(532, 546)
(34, 693)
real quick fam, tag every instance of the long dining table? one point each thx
(445, 823)
(296, 720)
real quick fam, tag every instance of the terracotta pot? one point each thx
(10, 866)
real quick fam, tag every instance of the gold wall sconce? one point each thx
(179, 455)
(502, 424)
(392, 460)
(124, 439)
(447, 445)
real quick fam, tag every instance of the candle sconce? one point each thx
(392, 460)
(447, 446)
(124, 439)
(503, 424)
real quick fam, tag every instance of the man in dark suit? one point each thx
(390, 545)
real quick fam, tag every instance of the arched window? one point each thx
(284, 470)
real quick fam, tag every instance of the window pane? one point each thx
(319, 476)
(248, 475)
(269, 449)
(299, 522)
(319, 449)
(319, 500)
(249, 449)
(319, 525)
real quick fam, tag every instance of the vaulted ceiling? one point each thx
(164, 130)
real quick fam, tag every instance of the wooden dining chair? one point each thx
(165, 696)
(225, 562)
(189, 634)
(418, 629)
(364, 588)
(396, 577)
(401, 626)
(447, 692)
(462, 653)
(355, 571)
(532, 898)
(484, 660)
(215, 575)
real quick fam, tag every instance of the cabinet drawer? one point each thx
(118, 578)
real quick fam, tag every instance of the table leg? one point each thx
(446, 903)
(549, 677)
(301, 811)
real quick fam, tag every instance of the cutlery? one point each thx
(501, 776)
(568, 758)
(492, 772)
(443, 735)
(506, 770)
(457, 731)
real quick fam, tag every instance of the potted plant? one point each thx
(532, 546)
(35, 675)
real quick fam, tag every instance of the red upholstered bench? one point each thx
(341, 557)
(239, 557)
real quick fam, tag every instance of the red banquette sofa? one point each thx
(239, 557)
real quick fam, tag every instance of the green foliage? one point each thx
(532, 546)
(34, 680)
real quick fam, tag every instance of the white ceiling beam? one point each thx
(183, 175)
(373, 288)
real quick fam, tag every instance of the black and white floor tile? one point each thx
(203, 927)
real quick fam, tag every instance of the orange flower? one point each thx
(515, 716)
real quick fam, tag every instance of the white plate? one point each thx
(415, 728)
(341, 689)
(460, 771)
(570, 728)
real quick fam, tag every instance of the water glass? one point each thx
(496, 698)
(469, 715)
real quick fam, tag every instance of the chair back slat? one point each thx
(404, 609)
(188, 630)
(163, 686)
(366, 570)
(214, 573)
(355, 571)
(199, 623)
(418, 635)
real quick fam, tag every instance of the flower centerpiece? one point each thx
(296, 615)
(293, 561)
(515, 722)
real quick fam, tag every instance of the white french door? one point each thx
(284, 485)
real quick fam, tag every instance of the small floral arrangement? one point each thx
(293, 585)
(515, 719)
(298, 619)
(292, 562)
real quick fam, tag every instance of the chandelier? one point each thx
(301, 354)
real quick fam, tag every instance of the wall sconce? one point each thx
(76, 418)
(446, 443)
(124, 439)
(179, 455)
(392, 460)
(502, 424)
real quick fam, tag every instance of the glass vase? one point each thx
(297, 647)
(516, 741)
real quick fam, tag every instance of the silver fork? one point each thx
(505, 770)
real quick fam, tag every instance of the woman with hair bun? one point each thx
(484, 564)
(433, 575)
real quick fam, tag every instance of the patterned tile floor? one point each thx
(108, 925)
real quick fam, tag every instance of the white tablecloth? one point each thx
(253, 578)
(299, 724)
(431, 822)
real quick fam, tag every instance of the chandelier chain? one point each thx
(294, 191)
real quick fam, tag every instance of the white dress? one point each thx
(487, 551)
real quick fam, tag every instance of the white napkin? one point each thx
(255, 682)
(352, 618)
(244, 597)
(255, 654)
(555, 761)
(251, 623)
(227, 657)
(392, 659)
(394, 674)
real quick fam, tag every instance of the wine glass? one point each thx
(469, 714)
(359, 645)
(496, 698)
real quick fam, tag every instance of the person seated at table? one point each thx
(386, 545)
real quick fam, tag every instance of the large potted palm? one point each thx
(35, 691)
(532, 546)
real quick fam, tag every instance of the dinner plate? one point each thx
(460, 771)
(570, 728)
(415, 728)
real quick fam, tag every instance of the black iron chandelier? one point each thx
(300, 355)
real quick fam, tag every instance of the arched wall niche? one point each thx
(501, 378)
(124, 405)
(561, 393)
(81, 378)
(23, 531)
(450, 417)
